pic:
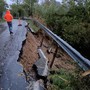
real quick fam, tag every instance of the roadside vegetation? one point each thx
(2, 9)
(65, 80)
(71, 21)
(33, 26)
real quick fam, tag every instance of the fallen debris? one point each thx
(42, 64)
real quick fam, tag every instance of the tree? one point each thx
(23, 9)
(69, 20)
(29, 6)
(2, 7)
(18, 11)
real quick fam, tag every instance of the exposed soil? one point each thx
(62, 60)
(30, 55)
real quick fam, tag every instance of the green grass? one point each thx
(64, 80)
(33, 26)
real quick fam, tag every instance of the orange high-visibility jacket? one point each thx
(8, 17)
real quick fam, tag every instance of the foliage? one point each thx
(24, 9)
(2, 3)
(32, 26)
(29, 6)
(63, 80)
(70, 20)
(18, 10)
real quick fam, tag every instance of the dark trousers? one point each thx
(10, 26)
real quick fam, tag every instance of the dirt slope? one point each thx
(30, 55)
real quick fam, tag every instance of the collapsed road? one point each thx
(11, 72)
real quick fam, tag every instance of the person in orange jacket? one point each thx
(8, 17)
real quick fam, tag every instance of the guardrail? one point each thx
(74, 54)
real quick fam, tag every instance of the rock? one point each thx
(38, 85)
(42, 64)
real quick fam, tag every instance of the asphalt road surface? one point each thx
(11, 72)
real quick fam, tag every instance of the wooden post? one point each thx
(49, 48)
(54, 57)
(42, 39)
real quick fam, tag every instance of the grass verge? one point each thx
(64, 80)
(33, 26)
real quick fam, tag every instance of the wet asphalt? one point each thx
(11, 72)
